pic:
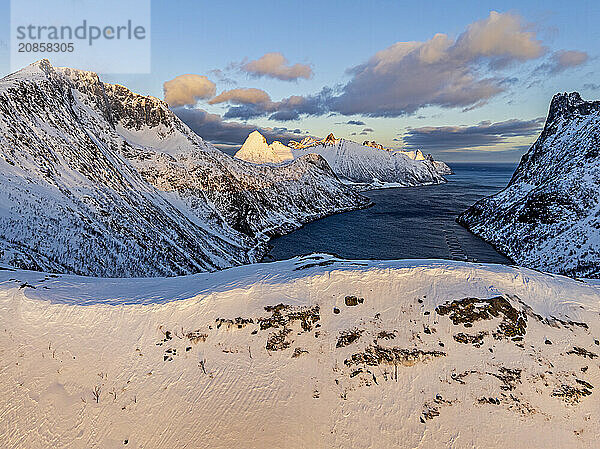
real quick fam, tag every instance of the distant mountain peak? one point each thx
(373, 144)
(310, 142)
(256, 149)
(304, 143)
(330, 139)
(256, 136)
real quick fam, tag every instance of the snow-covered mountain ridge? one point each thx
(98, 180)
(367, 165)
(311, 352)
(372, 166)
(548, 217)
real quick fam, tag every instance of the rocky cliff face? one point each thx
(98, 180)
(548, 217)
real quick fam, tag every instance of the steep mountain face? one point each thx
(372, 166)
(256, 149)
(548, 217)
(97, 180)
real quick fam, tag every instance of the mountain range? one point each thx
(367, 165)
(98, 180)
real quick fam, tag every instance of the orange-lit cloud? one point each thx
(242, 96)
(274, 65)
(188, 89)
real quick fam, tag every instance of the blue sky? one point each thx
(491, 112)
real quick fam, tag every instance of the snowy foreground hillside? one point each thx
(98, 180)
(548, 217)
(369, 165)
(311, 352)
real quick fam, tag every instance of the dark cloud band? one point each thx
(483, 134)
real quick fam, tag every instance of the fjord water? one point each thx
(406, 223)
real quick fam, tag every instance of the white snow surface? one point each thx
(205, 361)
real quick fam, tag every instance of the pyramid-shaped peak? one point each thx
(256, 137)
(330, 138)
(256, 149)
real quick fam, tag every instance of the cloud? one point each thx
(242, 96)
(226, 134)
(355, 122)
(441, 72)
(274, 65)
(465, 72)
(188, 89)
(500, 37)
(591, 86)
(562, 60)
(290, 108)
(285, 116)
(222, 77)
(484, 134)
(367, 130)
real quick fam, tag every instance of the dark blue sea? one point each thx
(405, 223)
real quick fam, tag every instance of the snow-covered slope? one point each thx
(370, 165)
(442, 168)
(95, 179)
(312, 352)
(256, 149)
(548, 217)
(417, 155)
